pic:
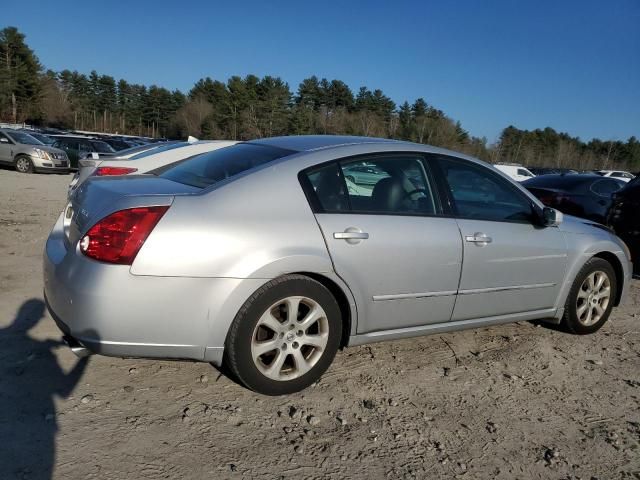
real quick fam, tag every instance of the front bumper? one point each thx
(115, 313)
(49, 165)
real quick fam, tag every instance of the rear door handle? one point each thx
(479, 238)
(350, 235)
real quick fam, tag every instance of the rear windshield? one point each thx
(212, 167)
(159, 149)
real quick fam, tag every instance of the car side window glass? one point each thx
(329, 191)
(480, 194)
(605, 188)
(395, 184)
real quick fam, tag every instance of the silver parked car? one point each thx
(28, 154)
(259, 256)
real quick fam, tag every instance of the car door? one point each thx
(6, 149)
(511, 264)
(389, 242)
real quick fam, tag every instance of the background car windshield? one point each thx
(43, 138)
(24, 138)
(213, 167)
(153, 151)
(102, 147)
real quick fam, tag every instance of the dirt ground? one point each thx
(510, 402)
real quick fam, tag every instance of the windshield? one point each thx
(213, 167)
(23, 138)
(101, 147)
(158, 149)
(43, 138)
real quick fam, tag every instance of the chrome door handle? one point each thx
(478, 238)
(350, 235)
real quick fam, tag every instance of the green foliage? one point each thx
(20, 77)
(548, 148)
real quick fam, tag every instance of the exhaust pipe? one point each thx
(79, 350)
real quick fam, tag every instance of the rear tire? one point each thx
(591, 298)
(24, 164)
(274, 353)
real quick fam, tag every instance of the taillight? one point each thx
(118, 237)
(104, 171)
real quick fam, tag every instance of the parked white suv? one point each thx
(515, 171)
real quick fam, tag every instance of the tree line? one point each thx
(253, 107)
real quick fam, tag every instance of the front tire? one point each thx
(591, 298)
(24, 164)
(285, 336)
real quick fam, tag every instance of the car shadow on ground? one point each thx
(30, 379)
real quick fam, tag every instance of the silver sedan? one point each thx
(263, 257)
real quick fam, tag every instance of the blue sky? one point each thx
(573, 65)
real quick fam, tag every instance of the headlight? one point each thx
(42, 154)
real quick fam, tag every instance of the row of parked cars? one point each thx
(267, 256)
(55, 151)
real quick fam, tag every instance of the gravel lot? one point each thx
(514, 401)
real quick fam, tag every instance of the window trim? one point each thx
(430, 170)
(452, 203)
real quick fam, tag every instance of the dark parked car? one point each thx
(624, 218)
(78, 148)
(550, 171)
(586, 196)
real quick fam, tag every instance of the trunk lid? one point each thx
(98, 197)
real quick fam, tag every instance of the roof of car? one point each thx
(305, 143)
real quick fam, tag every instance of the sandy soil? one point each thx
(515, 401)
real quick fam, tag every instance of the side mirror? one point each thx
(551, 217)
(4, 140)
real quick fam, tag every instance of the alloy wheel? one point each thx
(22, 165)
(593, 298)
(290, 338)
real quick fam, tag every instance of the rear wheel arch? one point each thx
(343, 302)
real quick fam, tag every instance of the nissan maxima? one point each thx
(263, 257)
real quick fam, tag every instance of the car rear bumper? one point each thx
(115, 313)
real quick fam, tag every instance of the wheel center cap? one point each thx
(290, 337)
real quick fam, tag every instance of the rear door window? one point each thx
(395, 184)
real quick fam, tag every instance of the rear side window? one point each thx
(213, 167)
(606, 188)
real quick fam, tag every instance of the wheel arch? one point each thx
(345, 302)
(615, 263)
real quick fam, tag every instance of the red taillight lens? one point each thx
(119, 237)
(104, 171)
